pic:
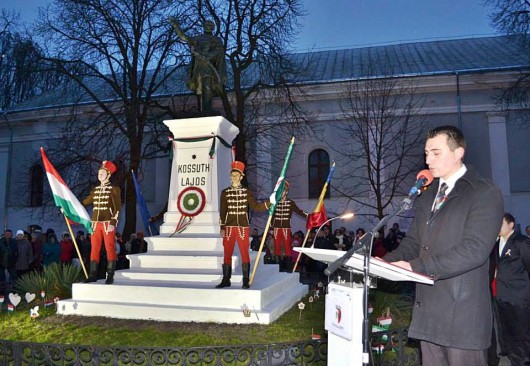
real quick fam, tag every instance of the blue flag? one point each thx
(150, 227)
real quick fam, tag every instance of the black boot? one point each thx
(288, 264)
(227, 273)
(246, 271)
(93, 274)
(281, 264)
(111, 267)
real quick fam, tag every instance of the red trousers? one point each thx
(99, 236)
(282, 236)
(233, 234)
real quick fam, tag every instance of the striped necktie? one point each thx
(440, 197)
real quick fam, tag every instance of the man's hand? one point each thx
(402, 264)
(222, 233)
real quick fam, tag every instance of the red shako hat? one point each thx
(108, 166)
(238, 166)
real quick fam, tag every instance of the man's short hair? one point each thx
(455, 137)
(509, 218)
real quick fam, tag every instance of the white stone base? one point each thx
(175, 281)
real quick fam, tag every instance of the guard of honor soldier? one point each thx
(106, 202)
(281, 223)
(235, 202)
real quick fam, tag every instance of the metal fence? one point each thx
(388, 348)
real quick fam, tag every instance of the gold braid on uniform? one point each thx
(237, 205)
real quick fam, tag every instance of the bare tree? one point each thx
(21, 73)
(513, 18)
(510, 17)
(119, 56)
(257, 35)
(378, 139)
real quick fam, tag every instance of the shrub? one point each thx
(55, 279)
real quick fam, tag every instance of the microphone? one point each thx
(423, 179)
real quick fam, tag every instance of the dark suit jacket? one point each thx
(513, 270)
(453, 247)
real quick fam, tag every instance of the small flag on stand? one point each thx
(49, 303)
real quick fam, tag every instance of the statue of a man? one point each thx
(207, 73)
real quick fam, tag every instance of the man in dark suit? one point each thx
(456, 222)
(513, 291)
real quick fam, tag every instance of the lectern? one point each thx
(344, 304)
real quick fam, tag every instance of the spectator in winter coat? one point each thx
(8, 257)
(51, 250)
(36, 245)
(67, 249)
(25, 254)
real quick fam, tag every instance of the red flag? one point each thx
(316, 219)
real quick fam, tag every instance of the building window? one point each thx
(318, 172)
(37, 183)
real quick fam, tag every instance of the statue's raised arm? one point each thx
(174, 22)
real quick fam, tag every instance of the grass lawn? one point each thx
(294, 325)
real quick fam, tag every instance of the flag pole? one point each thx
(324, 189)
(263, 238)
(75, 243)
(317, 209)
(275, 198)
(300, 254)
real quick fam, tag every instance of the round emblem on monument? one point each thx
(191, 201)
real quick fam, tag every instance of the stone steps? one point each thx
(175, 281)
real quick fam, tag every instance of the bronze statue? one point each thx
(207, 72)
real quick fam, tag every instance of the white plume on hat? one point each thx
(20, 232)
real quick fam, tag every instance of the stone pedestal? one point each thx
(193, 166)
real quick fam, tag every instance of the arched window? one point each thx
(37, 183)
(318, 170)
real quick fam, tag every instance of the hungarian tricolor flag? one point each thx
(64, 198)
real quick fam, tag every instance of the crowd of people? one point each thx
(339, 239)
(31, 249)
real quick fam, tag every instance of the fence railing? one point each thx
(388, 348)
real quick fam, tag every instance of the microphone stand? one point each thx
(405, 205)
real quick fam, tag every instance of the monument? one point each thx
(175, 280)
(207, 71)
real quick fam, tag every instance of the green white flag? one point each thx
(280, 184)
